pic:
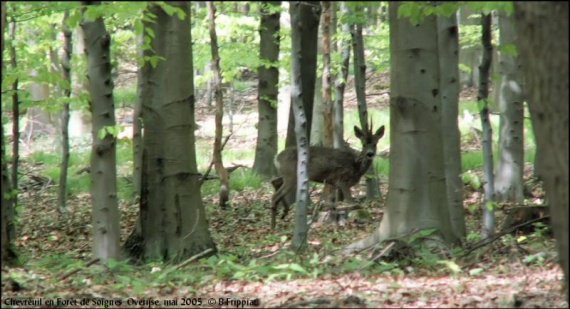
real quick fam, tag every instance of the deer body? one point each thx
(341, 168)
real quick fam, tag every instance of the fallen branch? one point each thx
(382, 253)
(487, 241)
(71, 273)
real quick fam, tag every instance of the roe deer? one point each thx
(341, 168)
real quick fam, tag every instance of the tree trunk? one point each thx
(327, 104)
(448, 47)
(15, 115)
(266, 147)
(544, 57)
(173, 218)
(218, 97)
(417, 196)
(106, 229)
(509, 176)
(8, 229)
(341, 83)
(299, 27)
(317, 125)
(488, 226)
(468, 55)
(137, 122)
(372, 186)
(66, 72)
(310, 12)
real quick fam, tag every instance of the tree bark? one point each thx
(218, 97)
(66, 76)
(417, 196)
(298, 29)
(266, 147)
(310, 12)
(137, 123)
(106, 229)
(173, 218)
(327, 105)
(488, 226)
(341, 83)
(448, 48)
(15, 115)
(8, 228)
(544, 57)
(509, 174)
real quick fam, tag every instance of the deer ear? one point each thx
(380, 132)
(357, 132)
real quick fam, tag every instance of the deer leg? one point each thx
(278, 197)
(346, 193)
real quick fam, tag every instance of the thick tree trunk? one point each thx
(106, 229)
(509, 175)
(266, 147)
(544, 57)
(417, 196)
(488, 226)
(448, 47)
(310, 12)
(218, 97)
(173, 218)
(66, 73)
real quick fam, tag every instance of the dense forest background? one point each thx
(297, 154)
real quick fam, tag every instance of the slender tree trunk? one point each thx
(544, 57)
(106, 229)
(298, 27)
(7, 214)
(448, 47)
(266, 147)
(509, 176)
(218, 97)
(327, 104)
(66, 72)
(137, 123)
(310, 15)
(372, 186)
(15, 114)
(482, 96)
(341, 83)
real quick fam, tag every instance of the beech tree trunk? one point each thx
(106, 229)
(310, 12)
(15, 115)
(341, 83)
(509, 174)
(417, 196)
(488, 226)
(266, 147)
(173, 218)
(544, 58)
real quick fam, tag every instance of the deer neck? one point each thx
(363, 163)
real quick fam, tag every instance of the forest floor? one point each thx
(254, 266)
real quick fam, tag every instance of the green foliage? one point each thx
(244, 178)
(471, 179)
